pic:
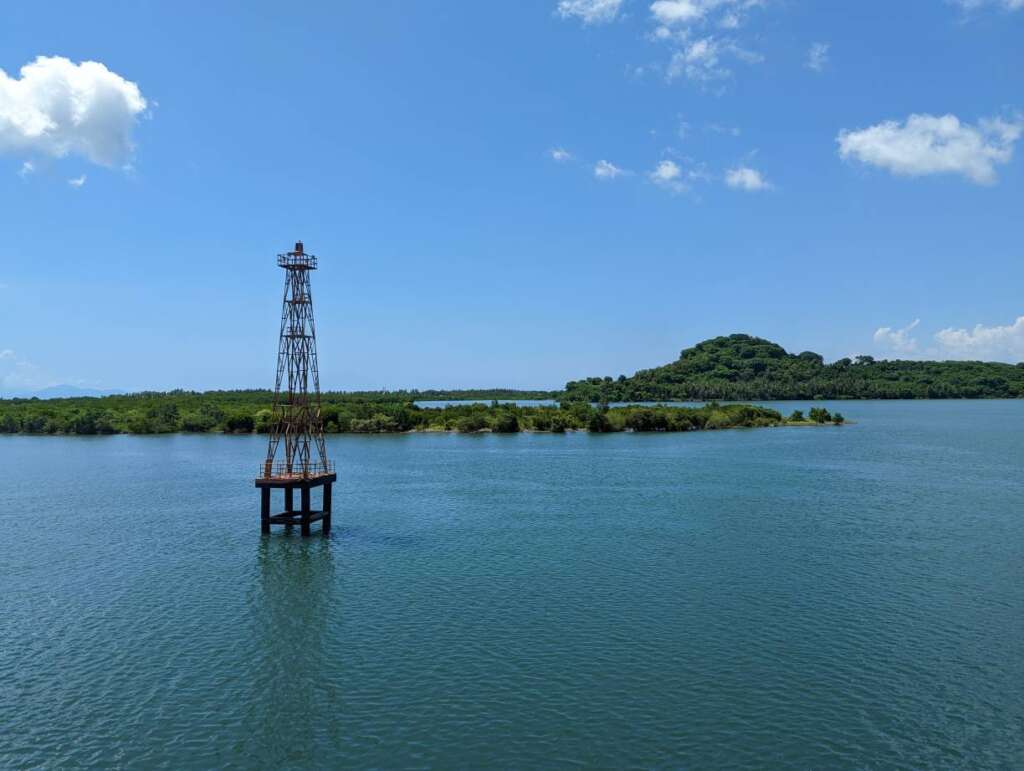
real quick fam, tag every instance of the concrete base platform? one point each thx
(304, 516)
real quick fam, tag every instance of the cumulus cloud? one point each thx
(560, 154)
(986, 343)
(77, 181)
(983, 342)
(817, 57)
(746, 178)
(26, 168)
(607, 170)
(590, 11)
(58, 108)
(670, 12)
(930, 144)
(898, 340)
(667, 174)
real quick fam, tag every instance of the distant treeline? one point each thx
(248, 411)
(741, 367)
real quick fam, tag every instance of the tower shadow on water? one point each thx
(296, 453)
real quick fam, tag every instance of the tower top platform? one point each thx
(297, 259)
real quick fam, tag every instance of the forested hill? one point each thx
(744, 367)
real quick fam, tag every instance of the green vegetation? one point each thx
(741, 367)
(248, 411)
(738, 367)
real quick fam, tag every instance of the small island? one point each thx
(246, 412)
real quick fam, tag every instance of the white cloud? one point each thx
(898, 340)
(6, 353)
(77, 181)
(590, 11)
(58, 108)
(26, 168)
(700, 56)
(698, 60)
(970, 5)
(667, 174)
(670, 12)
(560, 154)
(817, 57)
(746, 178)
(683, 14)
(607, 170)
(982, 342)
(995, 343)
(929, 144)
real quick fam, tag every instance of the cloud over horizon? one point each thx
(899, 340)
(982, 342)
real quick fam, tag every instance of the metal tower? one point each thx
(297, 390)
(297, 425)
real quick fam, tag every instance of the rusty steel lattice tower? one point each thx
(297, 426)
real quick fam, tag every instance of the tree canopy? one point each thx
(744, 367)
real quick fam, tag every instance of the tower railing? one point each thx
(297, 260)
(283, 470)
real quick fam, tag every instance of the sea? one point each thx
(826, 597)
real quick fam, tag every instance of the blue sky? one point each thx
(504, 194)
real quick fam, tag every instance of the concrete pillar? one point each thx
(305, 511)
(265, 509)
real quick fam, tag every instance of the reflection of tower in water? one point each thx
(294, 698)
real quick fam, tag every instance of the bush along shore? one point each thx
(235, 412)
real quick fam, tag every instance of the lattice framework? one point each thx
(297, 425)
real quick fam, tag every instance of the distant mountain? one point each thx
(59, 392)
(744, 367)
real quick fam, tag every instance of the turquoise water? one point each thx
(803, 597)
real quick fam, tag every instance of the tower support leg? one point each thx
(326, 527)
(289, 499)
(305, 511)
(265, 510)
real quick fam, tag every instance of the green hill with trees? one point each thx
(740, 367)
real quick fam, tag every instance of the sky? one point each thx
(504, 194)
